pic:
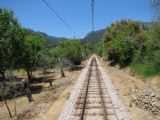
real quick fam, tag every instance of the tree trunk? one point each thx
(2, 79)
(62, 65)
(8, 108)
(50, 82)
(62, 71)
(2, 74)
(15, 107)
(29, 94)
(29, 74)
(28, 91)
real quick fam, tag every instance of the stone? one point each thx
(153, 94)
(134, 97)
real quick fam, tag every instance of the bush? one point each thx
(121, 49)
(122, 39)
(145, 70)
(101, 50)
(71, 49)
(148, 57)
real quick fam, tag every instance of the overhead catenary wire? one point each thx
(62, 20)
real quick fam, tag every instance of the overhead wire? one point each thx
(57, 15)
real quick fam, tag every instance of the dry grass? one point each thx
(125, 83)
(57, 106)
(46, 101)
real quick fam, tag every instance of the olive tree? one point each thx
(11, 41)
(11, 38)
(33, 45)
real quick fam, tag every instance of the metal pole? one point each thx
(93, 6)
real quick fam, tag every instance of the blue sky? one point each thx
(34, 14)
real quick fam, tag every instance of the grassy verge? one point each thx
(145, 70)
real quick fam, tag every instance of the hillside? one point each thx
(91, 37)
(51, 40)
(94, 36)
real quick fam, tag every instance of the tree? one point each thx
(46, 62)
(11, 38)
(71, 49)
(10, 41)
(150, 50)
(122, 39)
(67, 53)
(101, 50)
(33, 45)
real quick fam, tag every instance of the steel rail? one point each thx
(86, 93)
(101, 94)
(100, 88)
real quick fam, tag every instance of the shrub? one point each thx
(147, 59)
(122, 39)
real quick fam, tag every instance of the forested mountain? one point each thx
(94, 36)
(51, 41)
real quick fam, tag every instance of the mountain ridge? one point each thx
(91, 37)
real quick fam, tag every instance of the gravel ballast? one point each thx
(69, 105)
(120, 110)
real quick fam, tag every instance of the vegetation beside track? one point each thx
(127, 43)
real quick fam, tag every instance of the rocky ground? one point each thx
(141, 96)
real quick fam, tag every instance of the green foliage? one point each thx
(101, 50)
(33, 45)
(122, 39)
(85, 52)
(145, 70)
(19, 48)
(148, 57)
(55, 54)
(120, 26)
(11, 40)
(127, 43)
(46, 60)
(93, 37)
(121, 49)
(31, 53)
(71, 50)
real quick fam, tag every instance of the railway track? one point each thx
(93, 102)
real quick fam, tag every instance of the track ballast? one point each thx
(93, 102)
